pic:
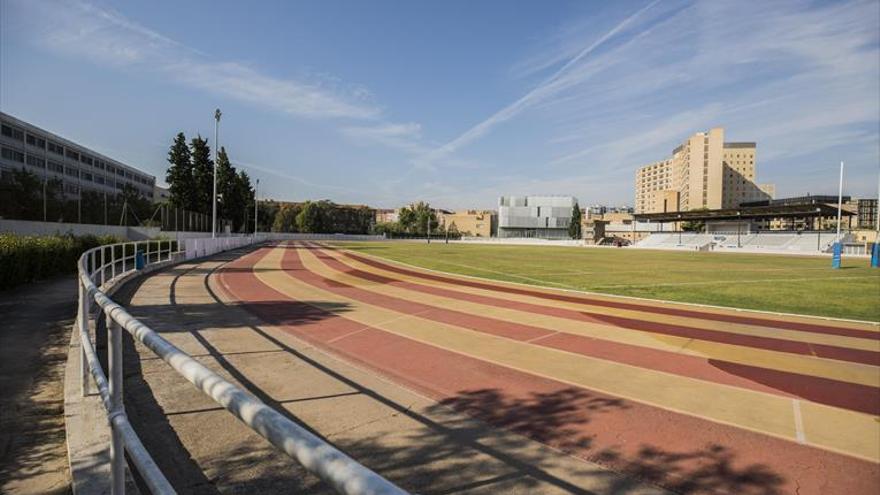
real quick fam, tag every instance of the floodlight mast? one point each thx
(217, 115)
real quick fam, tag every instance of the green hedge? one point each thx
(24, 259)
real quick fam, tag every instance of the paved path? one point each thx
(394, 427)
(35, 323)
(694, 399)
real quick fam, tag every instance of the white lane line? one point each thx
(349, 334)
(798, 422)
(541, 337)
(378, 325)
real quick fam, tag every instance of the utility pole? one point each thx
(256, 204)
(217, 115)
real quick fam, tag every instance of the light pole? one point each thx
(214, 197)
(679, 230)
(256, 203)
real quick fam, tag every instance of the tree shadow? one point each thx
(561, 419)
(708, 470)
(37, 320)
(187, 318)
(549, 418)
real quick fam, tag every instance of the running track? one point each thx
(694, 399)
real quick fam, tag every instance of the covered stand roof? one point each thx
(804, 210)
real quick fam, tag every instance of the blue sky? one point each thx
(455, 102)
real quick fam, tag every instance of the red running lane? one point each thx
(680, 452)
(851, 396)
(729, 318)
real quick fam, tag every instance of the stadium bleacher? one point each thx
(797, 242)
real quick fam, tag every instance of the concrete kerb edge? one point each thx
(86, 424)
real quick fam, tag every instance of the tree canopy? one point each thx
(574, 228)
(191, 180)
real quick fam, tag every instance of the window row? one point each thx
(58, 149)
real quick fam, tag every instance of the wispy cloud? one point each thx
(278, 172)
(405, 137)
(553, 84)
(105, 37)
(799, 78)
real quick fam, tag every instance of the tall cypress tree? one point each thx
(226, 188)
(574, 228)
(203, 174)
(245, 197)
(179, 175)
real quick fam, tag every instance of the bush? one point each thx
(24, 259)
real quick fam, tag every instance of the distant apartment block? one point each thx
(387, 215)
(703, 172)
(545, 217)
(49, 156)
(161, 194)
(867, 211)
(474, 223)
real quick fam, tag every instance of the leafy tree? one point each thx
(228, 200)
(574, 228)
(694, 225)
(284, 217)
(244, 202)
(21, 195)
(203, 175)
(182, 185)
(312, 218)
(416, 217)
(268, 212)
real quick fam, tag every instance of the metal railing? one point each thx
(108, 265)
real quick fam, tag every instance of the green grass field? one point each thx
(790, 284)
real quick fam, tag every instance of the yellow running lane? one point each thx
(795, 363)
(826, 427)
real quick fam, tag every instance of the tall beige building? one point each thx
(703, 172)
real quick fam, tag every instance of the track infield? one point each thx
(694, 399)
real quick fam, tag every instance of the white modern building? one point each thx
(546, 217)
(49, 156)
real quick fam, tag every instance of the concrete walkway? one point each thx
(422, 446)
(35, 323)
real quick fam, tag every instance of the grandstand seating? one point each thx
(797, 242)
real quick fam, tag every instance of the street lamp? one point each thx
(679, 229)
(256, 202)
(217, 115)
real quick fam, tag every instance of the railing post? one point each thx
(103, 267)
(113, 259)
(83, 324)
(117, 449)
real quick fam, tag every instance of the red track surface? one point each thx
(679, 451)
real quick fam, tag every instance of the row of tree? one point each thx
(413, 220)
(323, 217)
(190, 177)
(25, 196)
